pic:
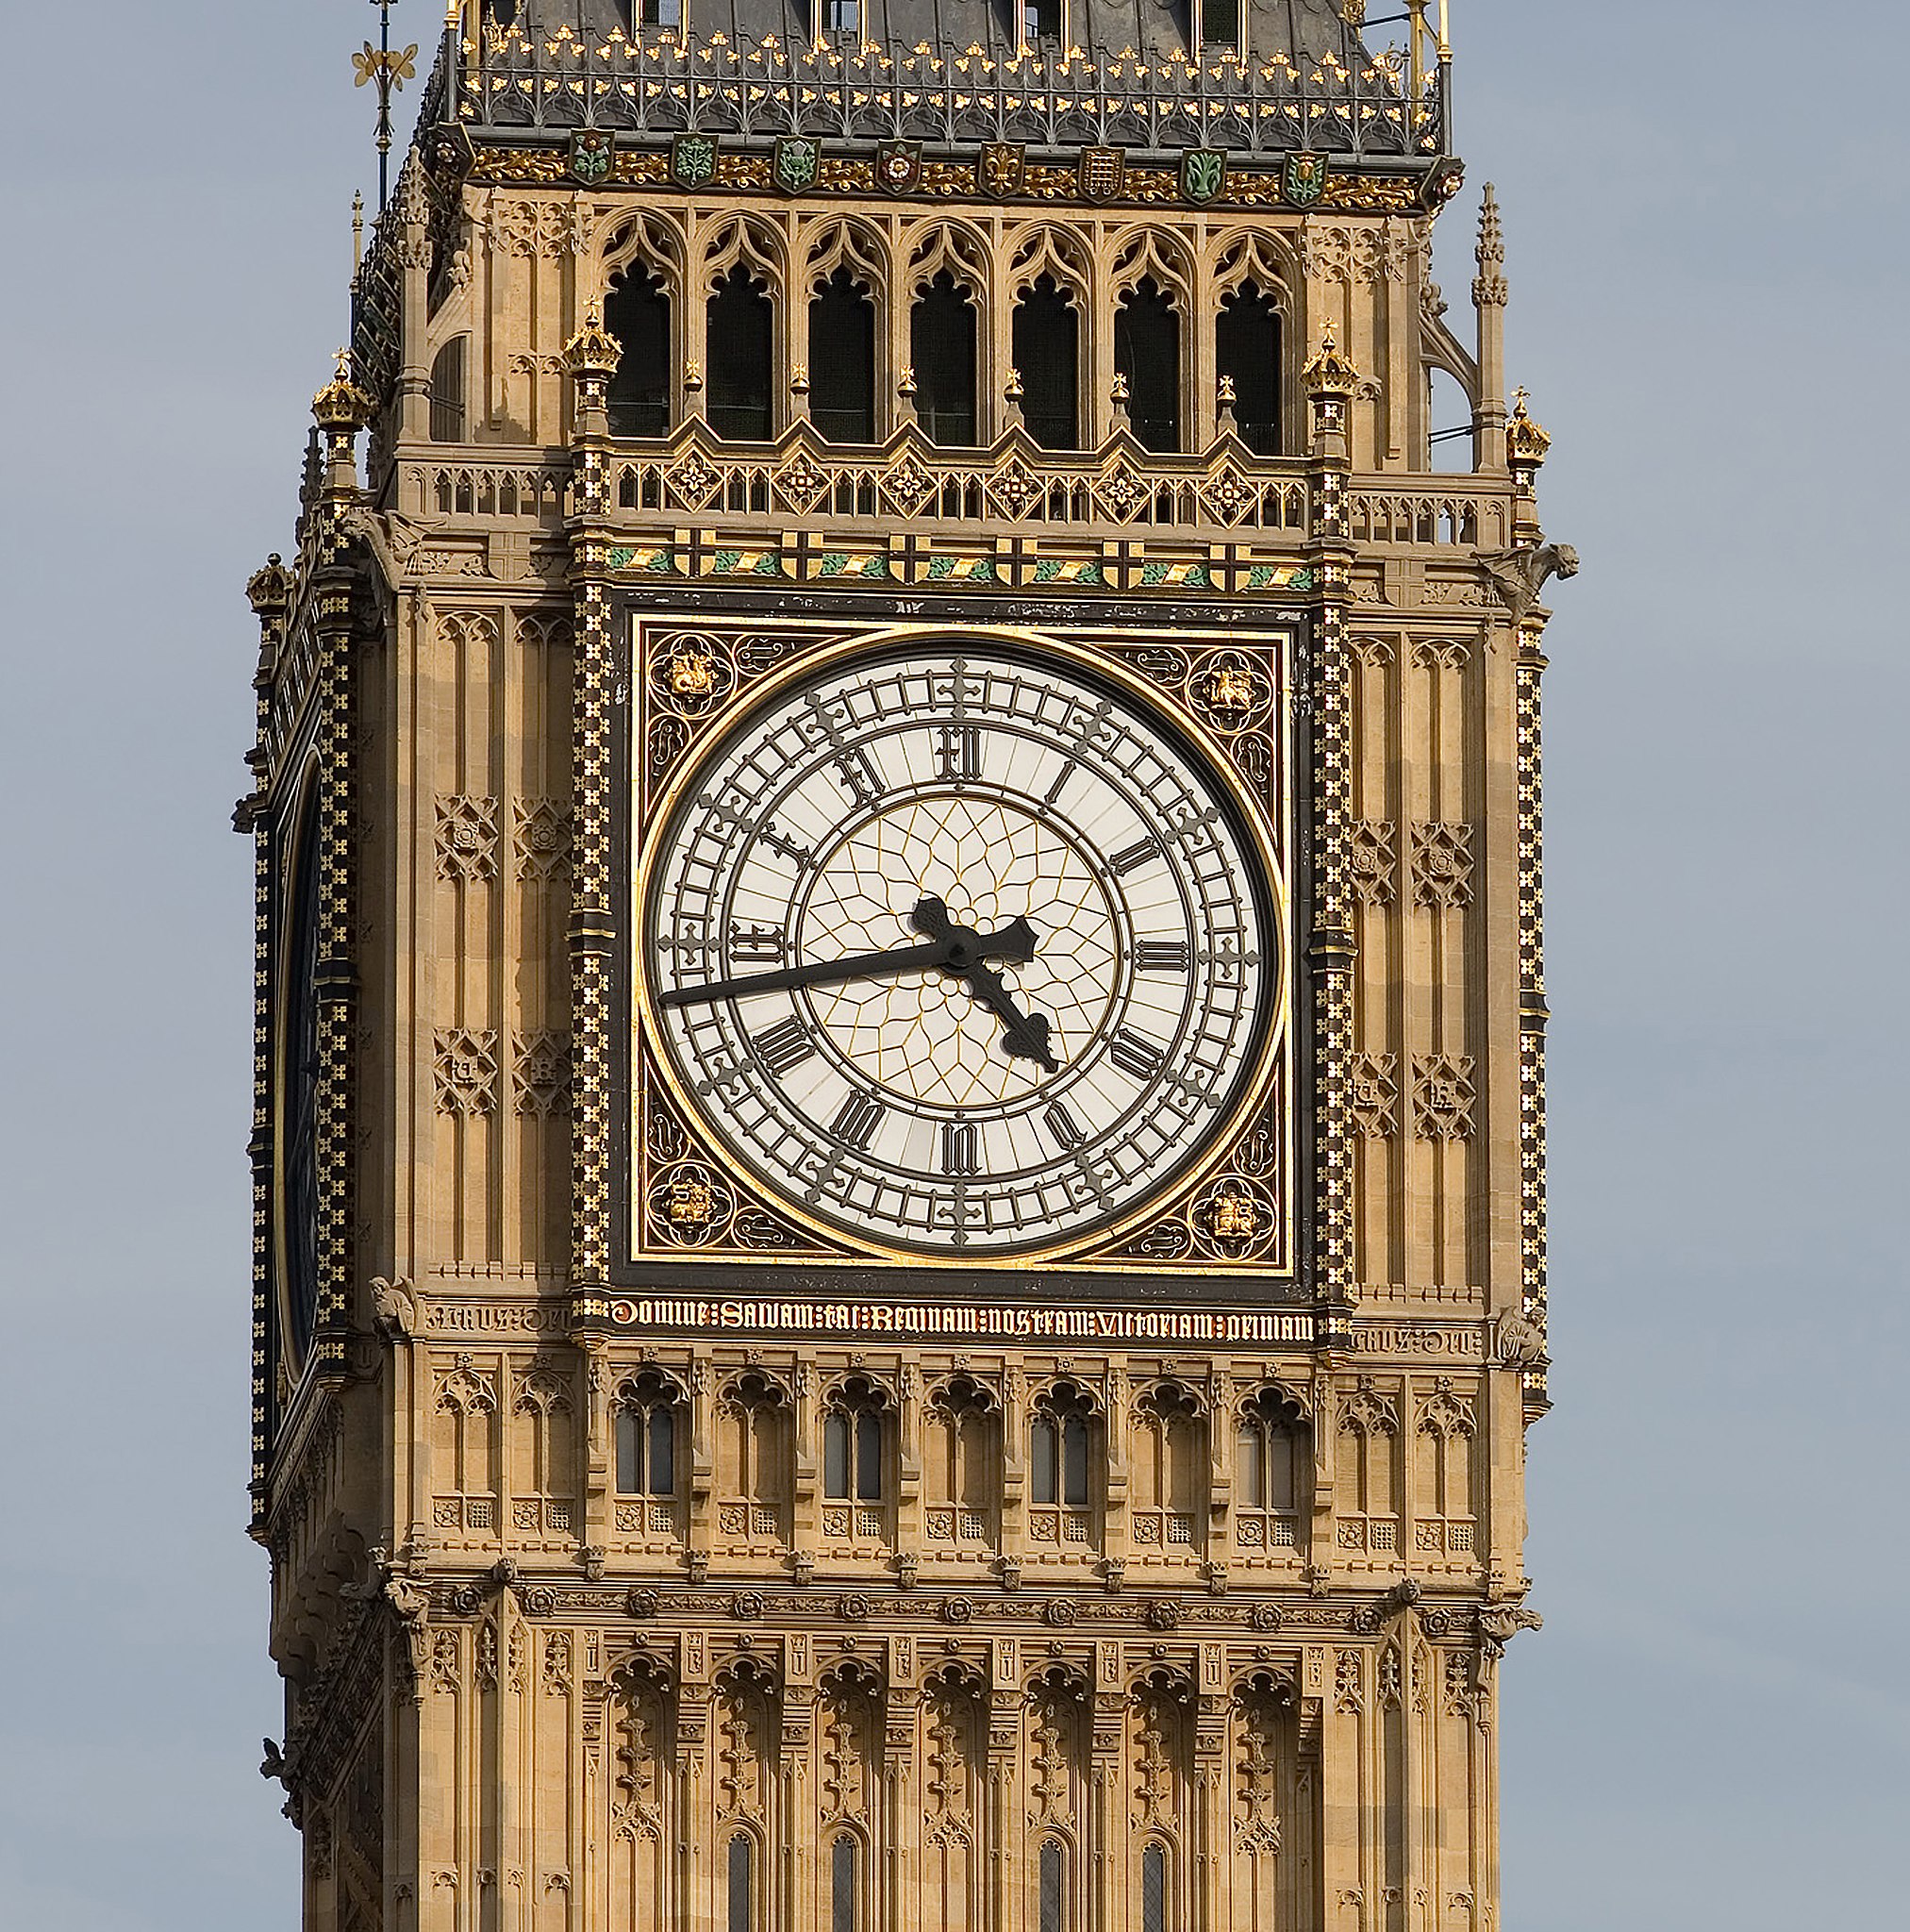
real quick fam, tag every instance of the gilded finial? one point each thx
(692, 376)
(341, 405)
(593, 351)
(1228, 397)
(1119, 392)
(1526, 441)
(1013, 391)
(1330, 373)
(907, 386)
(357, 230)
(799, 380)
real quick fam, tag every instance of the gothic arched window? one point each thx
(1047, 342)
(1153, 1889)
(636, 312)
(855, 1450)
(1147, 352)
(1168, 1472)
(1062, 1448)
(742, 1885)
(844, 1902)
(447, 391)
(646, 1437)
(1268, 1473)
(941, 352)
(741, 321)
(1051, 1864)
(959, 1463)
(1247, 354)
(842, 361)
(753, 1459)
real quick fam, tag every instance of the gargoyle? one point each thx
(1520, 576)
(1521, 1342)
(395, 1306)
(392, 539)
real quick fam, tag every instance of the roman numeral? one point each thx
(858, 775)
(1161, 956)
(1132, 1055)
(960, 752)
(1063, 1126)
(785, 1045)
(756, 942)
(1122, 863)
(960, 1147)
(856, 1125)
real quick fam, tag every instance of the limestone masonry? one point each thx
(898, 1145)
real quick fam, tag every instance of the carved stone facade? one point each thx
(647, 1552)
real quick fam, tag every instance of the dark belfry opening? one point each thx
(739, 347)
(1147, 351)
(636, 312)
(1247, 351)
(842, 361)
(1041, 20)
(447, 391)
(505, 13)
(1047, 338)
(841, 16)
(1220, 25)
(660, 12)
(941, 350)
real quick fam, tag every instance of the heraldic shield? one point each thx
(898, 165)
(1102, 172)
(592, 152)
(693, 159)
(1000, 168)
(1304, 180)
(1203, 175)
(798, 160)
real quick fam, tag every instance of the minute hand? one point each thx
(1014, 942)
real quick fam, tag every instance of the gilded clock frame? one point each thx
(680, 1199)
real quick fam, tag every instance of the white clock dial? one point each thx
(959, 948)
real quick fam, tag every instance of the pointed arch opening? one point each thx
(1154, 1888)
(1047, 347)
(941, 352)
(636, 313)
(842, 361)
(447, 391)
(741, 1883)
(1247, 354)
(1147, 353)
(1051, 1885)
(742, 321)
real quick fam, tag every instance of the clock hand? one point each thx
(1023, 1035)
(1014, 942)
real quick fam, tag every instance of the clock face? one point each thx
(959, 947)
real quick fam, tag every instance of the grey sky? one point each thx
(1704, 208)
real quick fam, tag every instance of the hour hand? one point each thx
(1024, 1036)
(1013, 943)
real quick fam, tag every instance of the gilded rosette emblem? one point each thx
(898, 166)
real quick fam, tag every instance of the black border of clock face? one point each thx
(294, 1079)
(850, 619)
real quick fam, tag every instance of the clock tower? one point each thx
(899, 1129)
